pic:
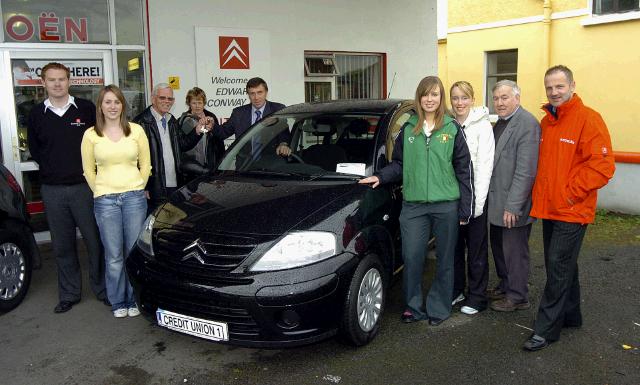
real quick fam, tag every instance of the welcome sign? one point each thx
(226, 58)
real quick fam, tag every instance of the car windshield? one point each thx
(318, 145)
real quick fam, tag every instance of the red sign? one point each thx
(50, 28)
(234, 52)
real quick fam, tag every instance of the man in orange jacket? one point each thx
(575, 161)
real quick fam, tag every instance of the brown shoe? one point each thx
(495, 293)
(507, 305)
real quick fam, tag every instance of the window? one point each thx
(63, 21)
(131, 80)
(320, 65)
(501, 65)
(602, 7)
(331, 76)
(128, 18)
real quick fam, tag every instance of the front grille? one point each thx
(198, 252)
(197, 275)
(241, 324)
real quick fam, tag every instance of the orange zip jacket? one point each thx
(575, 161)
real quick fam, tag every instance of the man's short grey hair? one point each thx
(158, 87)
(508, 83)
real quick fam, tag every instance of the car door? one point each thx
(387, 141)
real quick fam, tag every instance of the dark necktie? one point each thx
(256, 145)
(164, 122)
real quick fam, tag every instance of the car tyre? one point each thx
(15, 271)
(364, 304)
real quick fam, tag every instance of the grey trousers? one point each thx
(66, 207)
(510, 248)
(418, 221)
(560, 303)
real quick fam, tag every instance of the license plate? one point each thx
(211, 330)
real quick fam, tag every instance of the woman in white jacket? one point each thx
(472, 237)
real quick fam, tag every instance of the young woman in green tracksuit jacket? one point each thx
(431, 158)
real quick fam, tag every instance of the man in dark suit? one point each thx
(517, 136)
(244, 116)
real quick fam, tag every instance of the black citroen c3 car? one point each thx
(280, 251)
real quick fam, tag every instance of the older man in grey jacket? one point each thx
(517, 136)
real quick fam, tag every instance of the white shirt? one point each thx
(427, 130)
(60, 111)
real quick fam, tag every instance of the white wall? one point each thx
(622, 193)
(404, 29)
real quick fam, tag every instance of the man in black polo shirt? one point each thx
(55, 130)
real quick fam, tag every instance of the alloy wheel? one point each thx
(12, 270)
(370, 300)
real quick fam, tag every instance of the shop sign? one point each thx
(226, 58)
(83, 72)
(48, 28)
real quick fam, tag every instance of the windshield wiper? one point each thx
(273, 172)
(332, 175)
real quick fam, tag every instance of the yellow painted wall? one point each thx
(603, 57)
(470, 12)
(567, 5)
(466, 60)
(606, 70)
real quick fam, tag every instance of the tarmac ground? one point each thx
(87, 345)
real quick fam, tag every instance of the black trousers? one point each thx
(560, 303)
(510, 248)
(68, 206)
(472, 241)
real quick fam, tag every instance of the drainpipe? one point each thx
(546, 39)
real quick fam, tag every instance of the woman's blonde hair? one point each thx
(465, 87)
(100, 121)
(425, 86)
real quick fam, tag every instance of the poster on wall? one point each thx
(83, 72)
(226, 58)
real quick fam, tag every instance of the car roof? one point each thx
(374, 106)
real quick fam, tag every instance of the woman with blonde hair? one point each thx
(431, 158)
(472, 238)
(116, 164)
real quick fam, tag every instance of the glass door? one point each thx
(22, 89)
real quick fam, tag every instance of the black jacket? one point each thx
(179, 142)
(215, 145)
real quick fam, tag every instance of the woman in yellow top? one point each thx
(116, 163)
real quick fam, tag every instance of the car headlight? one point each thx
(297, 249)
(144, 241)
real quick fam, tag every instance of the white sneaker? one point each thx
(468, 310)
(459, 298)
(120, 313)
(133, 311)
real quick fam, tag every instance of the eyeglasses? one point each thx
(169, 98)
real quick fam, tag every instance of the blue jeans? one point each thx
(120, 218)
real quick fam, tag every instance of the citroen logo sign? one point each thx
(197, 248)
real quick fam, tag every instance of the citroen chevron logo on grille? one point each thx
(199, 248)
